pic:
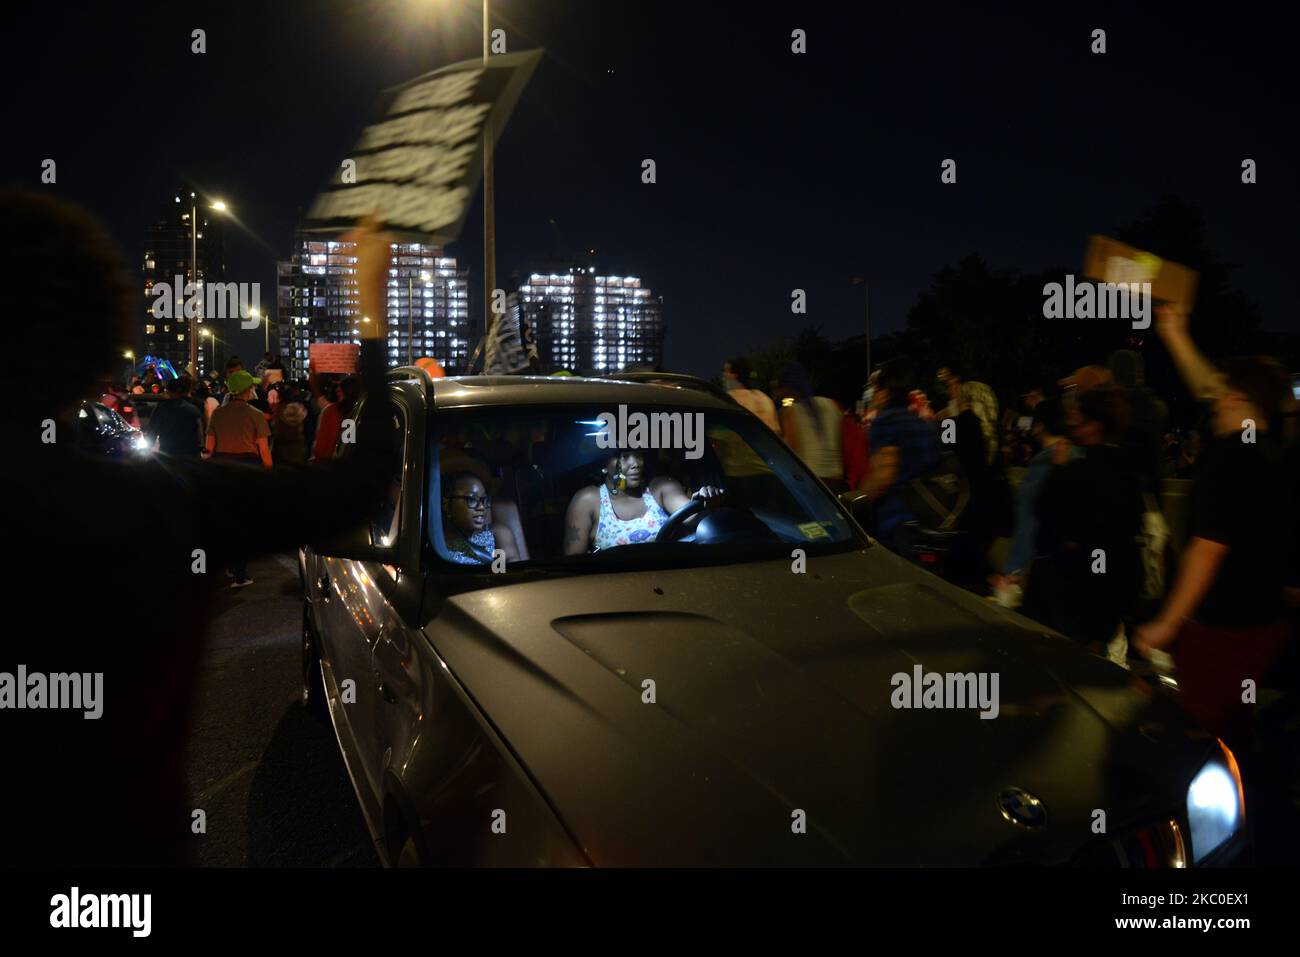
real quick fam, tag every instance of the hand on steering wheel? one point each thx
(702, 498)
(672, 529)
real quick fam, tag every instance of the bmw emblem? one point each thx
(1020, 807)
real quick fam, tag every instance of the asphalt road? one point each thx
(267, 774)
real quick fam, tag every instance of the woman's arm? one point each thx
(670, 495)
(1200, 566)
(578, 520)
(1202, 379)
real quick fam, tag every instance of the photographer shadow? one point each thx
(302, 811)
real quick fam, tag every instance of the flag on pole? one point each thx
(417, 167)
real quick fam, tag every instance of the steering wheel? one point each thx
(671, 530)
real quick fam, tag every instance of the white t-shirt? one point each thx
(818, 443)
(758, 403)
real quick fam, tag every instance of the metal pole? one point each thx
(489, 210)
(410, 312)
(867, 286)
(194, 279)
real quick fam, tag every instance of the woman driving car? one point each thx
(625, 508)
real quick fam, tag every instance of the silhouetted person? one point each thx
(177, 423)
(111, 789)
(902, 447)
(1145, 417)
(1089, 573)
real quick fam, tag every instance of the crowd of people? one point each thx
(1087, 536)
(263, 419)
(1088, 548)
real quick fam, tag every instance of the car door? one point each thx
(395, 661)
(355, 616)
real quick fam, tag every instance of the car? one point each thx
(751, 685)
(103, 431)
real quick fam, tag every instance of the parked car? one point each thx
(727, 692)
(103, 431)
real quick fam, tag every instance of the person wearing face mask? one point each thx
(626, 508)
(469, 536)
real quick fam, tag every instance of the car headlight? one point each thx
(1216, 804)
(140, 443)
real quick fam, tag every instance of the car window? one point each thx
(528, 476)
(386, 518)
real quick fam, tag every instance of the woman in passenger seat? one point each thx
(624, 509)
(467, 534)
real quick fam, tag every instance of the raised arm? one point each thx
(1200, 376)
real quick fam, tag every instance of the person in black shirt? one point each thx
(1225, 618)
(177, 423)
(1089, 572)
(1144, 418)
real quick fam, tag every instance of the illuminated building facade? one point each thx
(166, 256)
(591, 324)
(428, 304)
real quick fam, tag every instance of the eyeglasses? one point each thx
(475, 501)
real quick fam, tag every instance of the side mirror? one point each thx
(860, 507)
(358, 544)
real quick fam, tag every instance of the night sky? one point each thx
(775, 170)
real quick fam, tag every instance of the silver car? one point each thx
(721, 669)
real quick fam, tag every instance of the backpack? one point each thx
(937, 502)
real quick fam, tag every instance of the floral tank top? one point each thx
(612, 530)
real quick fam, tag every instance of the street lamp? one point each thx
(129, 356)
(212, 341)
(220, 207)
(489, 210)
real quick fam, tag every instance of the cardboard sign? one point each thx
(418, 166)
(1109, 260)
(334, 357)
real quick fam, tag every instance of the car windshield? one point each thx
(588, 487)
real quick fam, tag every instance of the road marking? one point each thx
(209, 792)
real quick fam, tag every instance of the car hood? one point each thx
(745, 715)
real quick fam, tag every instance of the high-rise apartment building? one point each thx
(428, 303)
(168, 247)
(592, 324)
